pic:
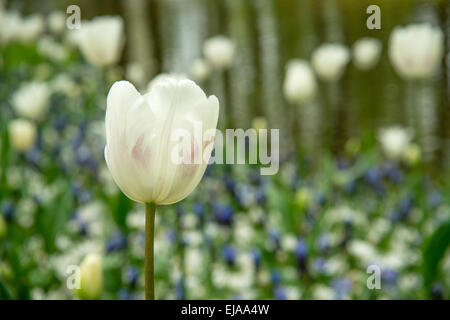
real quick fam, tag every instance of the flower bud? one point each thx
(366, 53)
(143, 149)
(101, 40)
(416, 50)
(31, 100)
(299, 84)
(219, 51)
(329, 61)
(22, 134)
(91, 277)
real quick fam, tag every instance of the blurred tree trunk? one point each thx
(140, 46)
(272, 100)
(242, 73)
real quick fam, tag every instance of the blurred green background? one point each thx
(336, 206)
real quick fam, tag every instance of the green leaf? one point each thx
(434, 251)
(5, 294)
(52, 219)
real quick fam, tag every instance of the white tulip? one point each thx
(31, 28)
(91, 277)
(56, 22)
(101, 40)
(140, 143)
(329, 61)
(219, 50)
(394, 141)
(10, 26)
(366, 53)
(48, 47)
(22, 134)
(416, 50)
(32, 100)
(200, 69)
(300, 83)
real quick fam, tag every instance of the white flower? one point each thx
(10, 26)
(219, 50)
(91, 277)
(48, 47)
(101, 40)
(366, 53)
(300, 83)
(22, 134)
(416, 50)
(31, 28)
(200, 69)
(329, 61)
(31, 100)
(140, 143)
(394, 141)
(136, 73)
(56, 22)
(165, 76)
(363, 251)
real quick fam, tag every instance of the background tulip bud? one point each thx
(200, 69)
(219, 51)
(22, 134)
(416, 50)
(366, 53)
(101, 40)
(329, 61)
(31, 100)
(299, 84)
(394, 141)
(91, 277)
(140, 138)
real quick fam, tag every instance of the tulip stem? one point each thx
(150, 209)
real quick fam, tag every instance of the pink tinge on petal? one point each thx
(140, 154)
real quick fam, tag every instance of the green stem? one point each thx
(149, 251)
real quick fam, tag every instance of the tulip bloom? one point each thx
(101, 40)
(329, 61)
(219, 50)
(91, 277)
(22, 134)
(299, 84)
(140, 143)
(416, 50)
(366, 53)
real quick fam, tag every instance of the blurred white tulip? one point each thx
(300, 83)
(416, 50)
(135, 73)
(366, 53)
(32, 100)
(22, 134)
(48, 47)
(10, 26)
(91, 277)
(394, 141)
(200, 69)
(31, 28)
(56, 21)
(139, 138)
(219, 50)
(329, 61)
(101, 40)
